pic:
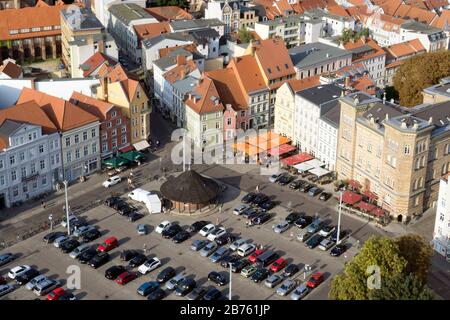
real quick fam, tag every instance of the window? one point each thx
(77, 139)
(41, 148)
(85, 137)
(85, 150)
(124, 129)
(119, 121)
(1, 164)
(22, 156)
(33, 168)
(69, 156)
(204, 127)
(108, 124)
(68, 142)
(2, 180)
(23, 172)
(42, 164)
(93, 133)
(15, 191)
(114, 133)
(406, 149)
(114, 143)
(12, 160)
(229, 121)
(369, 147)
(13, 175)
(123, 139)
(104, 146)
(114, 114)
(217, 125)
(77, 154)
(44, 181)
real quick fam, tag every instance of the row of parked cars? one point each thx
(123, 208)
(301, 185)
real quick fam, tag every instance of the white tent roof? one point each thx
(319, 172)
(308, 165)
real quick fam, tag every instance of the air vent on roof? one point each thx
(287, 67)
(269, 70)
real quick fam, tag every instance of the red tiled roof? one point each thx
(205, 98)
(298, 158)
(168, 13)
(302, 84)
(266, 50)
(350, 197)
(228, 88)
(94, 106)
(95, 61)
(150, 30)
(404, 49)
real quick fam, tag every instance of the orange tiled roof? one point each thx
(29, 18)
(150, 30)
(28, 112)
(389, 6)
(168, 13)
(303, 84)
(365, 84)
(98, 108)
(377, 50)
(338, 10)
(248, 73)
(404, 49)
(179, 72)
(227, 85)
(265, 53)
(188, 47)
(205, 98)
(128, 81)
(95, 61)
(410, 12)
(443, 20)
(64, 114)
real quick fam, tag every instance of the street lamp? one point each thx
(339, 218)
(50, 217)
(306, 269)
(229, 292)
(67, 207)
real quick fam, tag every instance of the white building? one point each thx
(100, 8)
(231, 13)
(333, 24)
(328, 136)
(441, 234)
(433, 39)
(191, 25)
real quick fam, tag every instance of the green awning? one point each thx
(115, 162)
(132, 155)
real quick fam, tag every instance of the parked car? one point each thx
(240, 209)
(185, 287)
(44, 287)
(134, 216)
(111, 181)
(127, 210)
(315, 226)
(212, 294)
(5, 289)
(326, 244)
(108, 244)
(181, 236)
(278, 265)
(248, 198)
(149, 265)
(261, 218)
(254, 256)
(197, 293)
(306, 187)
(285, 179)
(68, 296)
(281, 227)
(314, 241)
(338, 250)
(197, 226)
(171, 231)
(304, 235)
(163, 226)
(296, 184)
(249, 270)
(206, 230)
(127, 255)
(157, 294)
(198, 244)
(237, 243)
(275, 177)
(260, 275)
(216, 233)
(17, 271)
(267, 205)
(273, 280)
(72, 218)
(147, 287)
(303, 222)
(327, 230)
(126, 277)
(315, 280)
(229, 259)
(165, 275)
(6, 258)
(83, 230)
(286, 287)
(52, 236)
(224, 239)
(217, 278)
(56, 294)
(91, 235)
(33, 282)
(208, 249)
(219, 254)
(245, 249)
(324, 196)
(291, 270)
(141, 229)
(300, 292)
(238, 265)
(293, 216)
(27, 276)
(113, 272)
(87, 255)
(99, 260)
(118, 203)
(342, 235)
(69, 245)
(260, 198)
(110, 201)
(60, 240)
(173, 283)
(137, 260)
(314, 191)
(250, 213)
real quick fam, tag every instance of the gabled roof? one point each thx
(404, 49)
(179, 72)
(228, 87)
(273, 68)
(248, 73)
(297, 85)
(129, 82)
(94, 106)
(150, 30)
(11, 69)
(443, 21)
(95, 61)
(204, 98)
(64, 114)
(7, 128)
(168, 13)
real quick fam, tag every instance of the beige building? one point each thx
(437, 93)
(397, 153)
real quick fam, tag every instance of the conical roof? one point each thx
(190, 187)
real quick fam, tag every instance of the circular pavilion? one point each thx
(190, 191)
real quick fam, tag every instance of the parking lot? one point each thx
(53, 263)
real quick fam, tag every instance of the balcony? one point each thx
(30, 177)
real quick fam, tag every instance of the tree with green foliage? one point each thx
(245, 36)
(394, 260)
(418, 73)
(351, 35)
(401, 287)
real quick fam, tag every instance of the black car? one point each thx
(137, 260)
(52, 236)
(127, 255)
(217, 278)
(185, 287)
(110, 201)
(324, 196)
(338, 250)
(340, 187)
(171, 231)
(99, 260)
(87, 255)
(285, 179)
(224, 239)
(249, 213)
(249, 197)
(166, 274)
(181, 236)
(68, 296)
(69, 245)
(197, 226)
(293, 216)
(134, 216)
(118, 204)
(260, 275)
(27, 276)
(304, 221)
(197, 294)
(314, 191)
(158, 294)
(227, 260)
(212, 294)
(113, 272)
(314, 241)
(268, 205)
(342, 235)
(91, 235)
(261, 218)
(306, 187)
(290, 270)
(239, 265)
(296, 184)
(126, 209)
(260, 198)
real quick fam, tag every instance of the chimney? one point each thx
(416, 125)
(387, 116)
(181, 60)
(104, 88)
(403, 125)
(347, 82)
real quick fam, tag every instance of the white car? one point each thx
(163, 226)
(281, 227)
(82, 230)
(216, 233)
(112, 181)
(149, 265)
(245, 249)
(274, 178)
(17, 271)
(206, 230)
(326, 244)
(235, 245)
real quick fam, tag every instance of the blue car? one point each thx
(315, 226)
(147, 287)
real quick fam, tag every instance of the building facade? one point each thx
(441, 234)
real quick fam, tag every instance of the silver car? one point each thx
(239, 209)
(198, 244)
(326, 244)
(60, 240)
(79, 250)
(34, 282)
(273, 281)
(286, 287)
(82, 230)
(281, 227)
(219, 254)
(5, 289)
(208, 249)
(172, 283)
(6, 258)
(300, 292)
(235, 245)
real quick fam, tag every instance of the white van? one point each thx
(245, 249)
(139, 195)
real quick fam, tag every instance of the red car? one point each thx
(108, 245)
(56, 294)
(126, 277)
(278, 265)
(315, 280)
(255, 255)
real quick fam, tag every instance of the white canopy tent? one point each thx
(308, 165)
(319, 172)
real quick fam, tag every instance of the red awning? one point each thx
(280, 150)
(378, 212)
(364, 206)
(369, 194)
(350, 197)
(126, 149)
(354, 183)
(298, 158)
